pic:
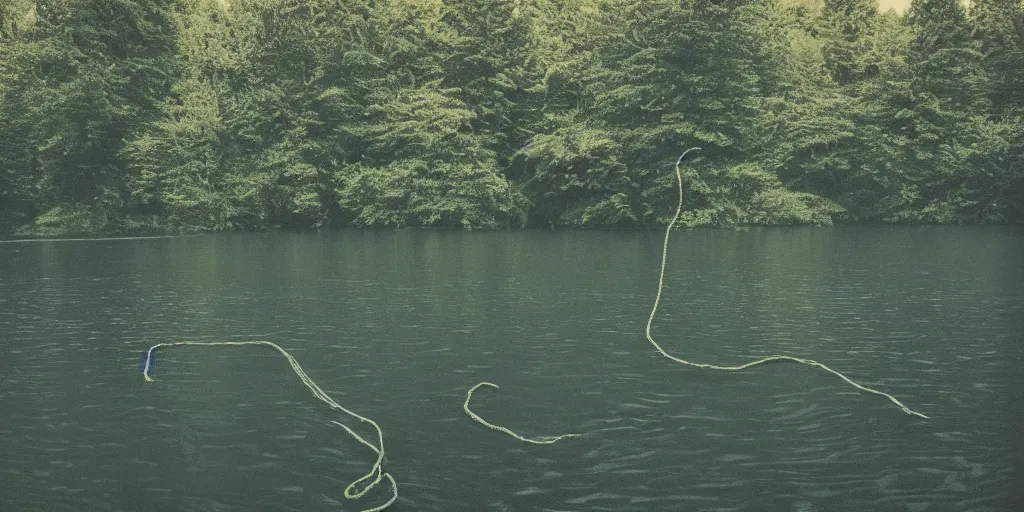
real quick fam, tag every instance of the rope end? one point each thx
(682, 157)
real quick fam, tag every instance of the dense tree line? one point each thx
(135, 116)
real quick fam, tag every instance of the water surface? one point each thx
(398, 325)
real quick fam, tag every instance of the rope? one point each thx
(661, 282)
(376, 472)
(27, 240)
(543, 440)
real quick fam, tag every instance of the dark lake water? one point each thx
(397, 326)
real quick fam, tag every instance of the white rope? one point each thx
(543, 440)
(376, 472)
(27, 240)
(661, 282)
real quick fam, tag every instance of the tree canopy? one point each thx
(140, 116)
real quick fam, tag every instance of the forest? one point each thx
(173, 116)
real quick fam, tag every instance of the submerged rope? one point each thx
(376, 472)
(542, 440)
(661, 282)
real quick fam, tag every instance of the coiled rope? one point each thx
(376, 472)
(661, 282)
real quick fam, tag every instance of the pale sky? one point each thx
(899, 5)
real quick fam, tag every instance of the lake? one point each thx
(397, 326)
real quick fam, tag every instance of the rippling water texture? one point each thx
(397, 326)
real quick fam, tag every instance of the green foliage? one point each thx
(82, 78)
(664, 74)
(998, 28)
(422, 166)
(845, 27)
(749, 194)
(577, 177)
(486, 59)
(415, 193)
(68, 220)
(203, 115)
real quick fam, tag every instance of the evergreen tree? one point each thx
(845, 29)
(181, 165)
(125, 115)
(302, 54)
(945, 117)
(489, 59)
(91, 73)
(998, 28)
(17, 196)
(807, 131)
(420, 160)
(666, 74)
